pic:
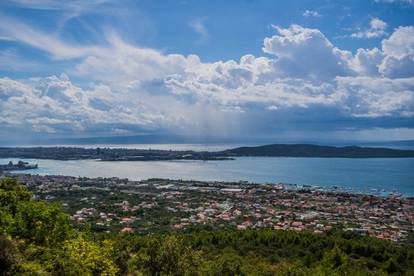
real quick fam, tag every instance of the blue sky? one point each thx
(210, 70)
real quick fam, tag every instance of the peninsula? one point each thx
(309, 150)
(19, 166)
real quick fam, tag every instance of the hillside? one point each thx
(37, 238)
(308, 150)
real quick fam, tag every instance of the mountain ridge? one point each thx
(313, 150)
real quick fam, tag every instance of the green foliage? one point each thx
(37, 238)
(82, 257)
(165, 256)
(23, 218)
(41, 223)
(11, 196)
(261, 252)
(8, 254)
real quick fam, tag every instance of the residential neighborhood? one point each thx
(161, 205)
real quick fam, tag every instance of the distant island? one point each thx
(309, 150)
(274, 150)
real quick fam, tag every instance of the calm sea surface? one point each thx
(360, 175)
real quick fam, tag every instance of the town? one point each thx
(161, 205)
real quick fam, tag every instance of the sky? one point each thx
(248, 70)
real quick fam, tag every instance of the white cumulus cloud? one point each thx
(310, 13)
(302, 77)
(377, 29)
(300, 50)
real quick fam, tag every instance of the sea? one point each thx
(381, 176)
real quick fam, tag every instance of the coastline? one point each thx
(380, 176)
(135, 154)
(111, 204)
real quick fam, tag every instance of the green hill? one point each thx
(308, 150)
